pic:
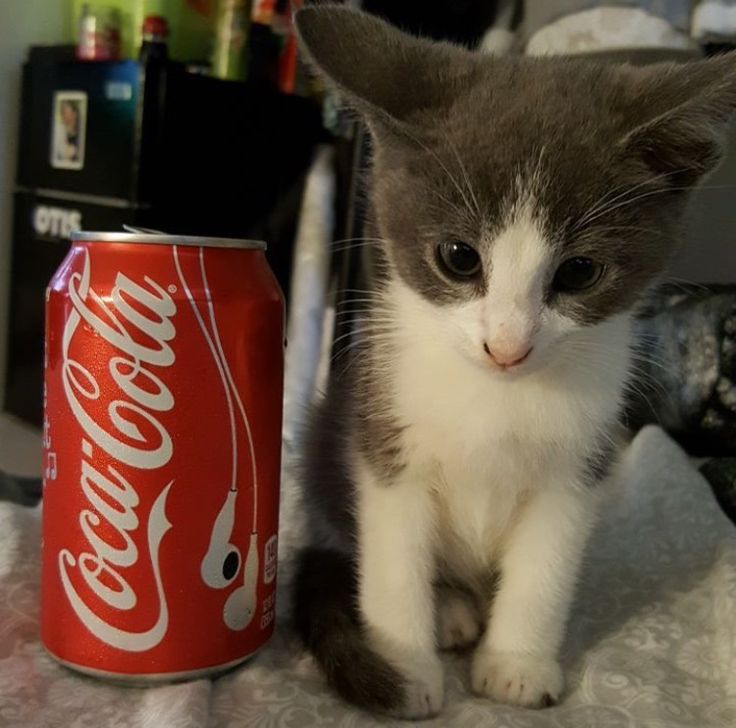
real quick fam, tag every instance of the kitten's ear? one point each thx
(387, 75)
(692, 106)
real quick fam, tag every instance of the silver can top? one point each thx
(150, 238)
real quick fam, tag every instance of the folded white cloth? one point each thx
(604, 29)
(714, 20)
(652, 639)
(309, 285)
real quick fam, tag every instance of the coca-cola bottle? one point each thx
(153, 47)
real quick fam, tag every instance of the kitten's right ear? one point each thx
(691, 107)
(383, 72)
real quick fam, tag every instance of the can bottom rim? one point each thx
(146, 679)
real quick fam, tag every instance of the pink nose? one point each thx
(507, 358)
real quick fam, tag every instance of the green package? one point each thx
(191, 24)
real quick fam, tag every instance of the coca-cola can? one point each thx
(162, 441)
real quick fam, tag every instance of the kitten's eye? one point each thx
(577, 274)
(458, 258)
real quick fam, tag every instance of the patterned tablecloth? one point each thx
(652, 639)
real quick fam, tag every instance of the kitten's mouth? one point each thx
(505, 362)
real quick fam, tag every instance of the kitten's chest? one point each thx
(463, 415)
(486, 448)
(477, 502)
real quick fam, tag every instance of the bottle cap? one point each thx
(155, 26)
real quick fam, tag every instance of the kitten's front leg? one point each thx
(396, 564)
(516, 661)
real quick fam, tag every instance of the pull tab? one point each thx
(142, 230)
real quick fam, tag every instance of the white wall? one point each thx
(709, 255)
(22, 23)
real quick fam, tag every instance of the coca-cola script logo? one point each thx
(140, 313)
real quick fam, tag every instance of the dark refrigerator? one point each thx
(105, 144)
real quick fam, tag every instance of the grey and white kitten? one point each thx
(452, 475)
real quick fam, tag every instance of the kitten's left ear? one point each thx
(687, 139)
(386, 74)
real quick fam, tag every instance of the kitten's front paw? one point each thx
(516, 678)
(424, 689)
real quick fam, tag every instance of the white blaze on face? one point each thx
(517, 273)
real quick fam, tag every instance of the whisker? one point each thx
(357, 237)
(365, 317)
(362, 331)
(464, 172)
(606, 200)
(363, 341)
(439, 161)
(651, 193)
(350, 301)
(598, 230)
(638, 379)
(354, 246)
(685, 284)
(354, 290)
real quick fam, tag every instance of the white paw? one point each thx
(517, 679)
(424, 690)
(458, 620)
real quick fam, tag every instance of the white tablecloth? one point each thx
(652, 638)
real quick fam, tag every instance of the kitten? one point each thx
(452, 475)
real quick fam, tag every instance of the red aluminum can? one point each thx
(162, 441)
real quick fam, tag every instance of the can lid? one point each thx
(163, 239)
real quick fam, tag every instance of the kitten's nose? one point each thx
(507, 357)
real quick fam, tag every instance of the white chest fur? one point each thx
(486, 443)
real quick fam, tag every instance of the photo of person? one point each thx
(68, 129)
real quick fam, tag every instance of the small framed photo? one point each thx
(68, 129)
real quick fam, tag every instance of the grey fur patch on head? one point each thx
(610, 152)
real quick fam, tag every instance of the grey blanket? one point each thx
(651, 642)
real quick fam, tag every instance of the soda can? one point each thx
(162, 442)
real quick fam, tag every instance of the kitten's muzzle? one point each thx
(506, 359)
